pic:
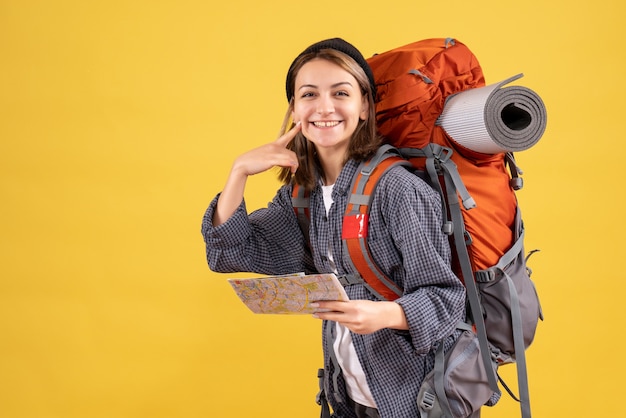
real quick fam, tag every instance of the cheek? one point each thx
(298, 113)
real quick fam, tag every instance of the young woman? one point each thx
(376, 352)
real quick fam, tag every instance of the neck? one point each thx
(332, 165)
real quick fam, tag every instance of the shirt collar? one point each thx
(344, 181)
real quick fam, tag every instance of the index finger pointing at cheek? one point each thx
(289, 135)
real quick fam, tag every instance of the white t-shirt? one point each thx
(356, 383)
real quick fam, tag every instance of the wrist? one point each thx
(396, 316)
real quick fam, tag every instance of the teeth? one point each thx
(326, 124)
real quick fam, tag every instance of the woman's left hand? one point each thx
(362, 316)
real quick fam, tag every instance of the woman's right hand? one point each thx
(274, 154)
(250, 163)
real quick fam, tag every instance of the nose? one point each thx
(325, 105)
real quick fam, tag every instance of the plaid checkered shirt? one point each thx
(406, 242)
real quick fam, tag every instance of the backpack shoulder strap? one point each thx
(355, 222)
(300, 201)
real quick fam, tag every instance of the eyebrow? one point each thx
(341, 83)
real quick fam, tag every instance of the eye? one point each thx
(342, 93)
(306, 94)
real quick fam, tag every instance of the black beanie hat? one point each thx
(340, 45)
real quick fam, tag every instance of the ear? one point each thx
(365, 108)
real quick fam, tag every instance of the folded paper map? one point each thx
(288, 294)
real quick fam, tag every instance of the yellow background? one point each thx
(118, 124)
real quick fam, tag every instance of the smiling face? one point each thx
(329, 103)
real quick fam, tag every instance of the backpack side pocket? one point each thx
(458, 385)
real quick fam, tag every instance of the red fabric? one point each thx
(407, 107)
(354, 226)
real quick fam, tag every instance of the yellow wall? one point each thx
(118, 123)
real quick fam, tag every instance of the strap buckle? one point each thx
(349, 279)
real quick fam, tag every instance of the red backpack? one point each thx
(483, 221)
